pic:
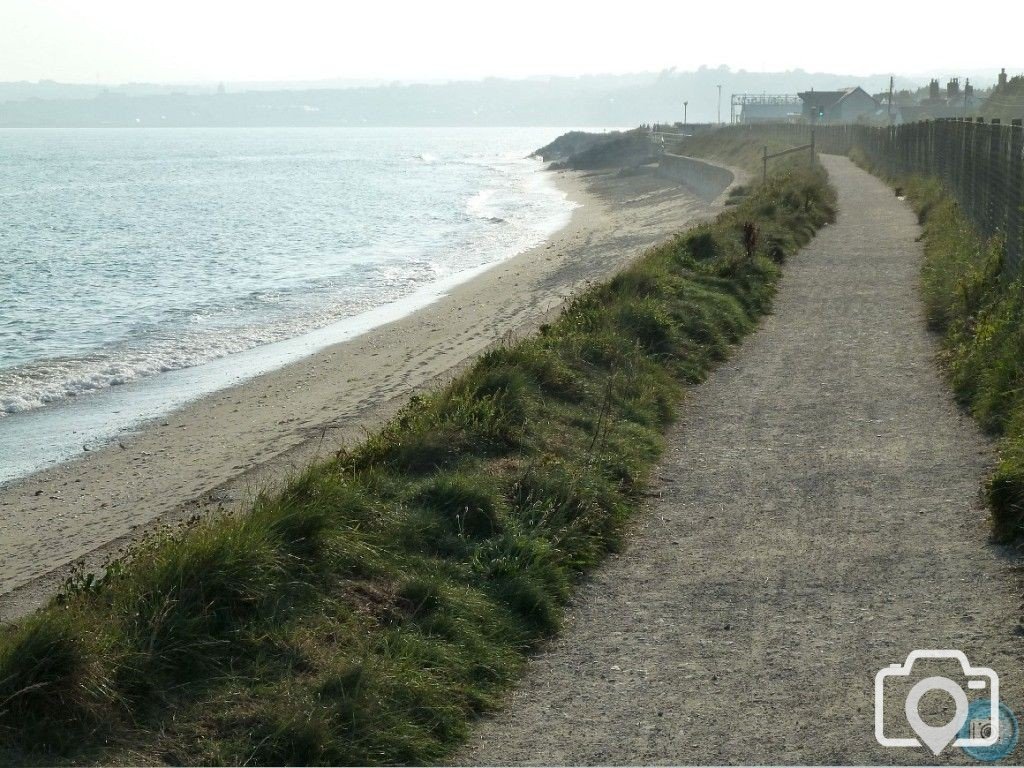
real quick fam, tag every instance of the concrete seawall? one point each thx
(707, 180)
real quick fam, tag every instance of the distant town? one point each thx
(854, 104)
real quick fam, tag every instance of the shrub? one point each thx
(54, 687)
(188, 595)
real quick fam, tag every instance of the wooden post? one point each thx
(967, 182)
(1015, 176)
(995, 208)
(765, 161)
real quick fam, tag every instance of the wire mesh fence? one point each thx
(981, 163)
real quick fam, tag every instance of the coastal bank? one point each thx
(219, 452)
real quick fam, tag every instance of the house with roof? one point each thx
(846, 106)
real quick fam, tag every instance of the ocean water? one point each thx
(140, 269)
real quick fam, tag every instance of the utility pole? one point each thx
(719, 103)
(686, 106)
(892, 80)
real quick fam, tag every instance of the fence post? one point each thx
(963, 192)
(982, 177)
(972, 158)
(764, 159)
(1014, 235)
(996, 210)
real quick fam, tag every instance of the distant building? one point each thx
(765, 108)
(953, 102)
(846, 106)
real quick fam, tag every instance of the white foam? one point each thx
(482, 206)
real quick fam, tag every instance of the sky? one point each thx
(193, 41)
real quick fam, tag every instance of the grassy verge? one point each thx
(978, 307)
(742, 147)
(389, 595)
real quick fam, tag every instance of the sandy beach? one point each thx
(217, 452)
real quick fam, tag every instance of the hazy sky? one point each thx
(210, 40)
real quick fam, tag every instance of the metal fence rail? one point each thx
(982, 164)
(765, 157)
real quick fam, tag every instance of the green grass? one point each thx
(743, 147)
(978, 307)
(388, 596)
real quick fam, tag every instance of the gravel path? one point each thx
(818, 518)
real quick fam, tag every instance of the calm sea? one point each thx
(140, 269)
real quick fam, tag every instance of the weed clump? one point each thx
(465, 502)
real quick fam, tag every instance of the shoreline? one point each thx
(150, 399)
(217, 452)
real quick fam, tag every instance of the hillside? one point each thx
(593, 100)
